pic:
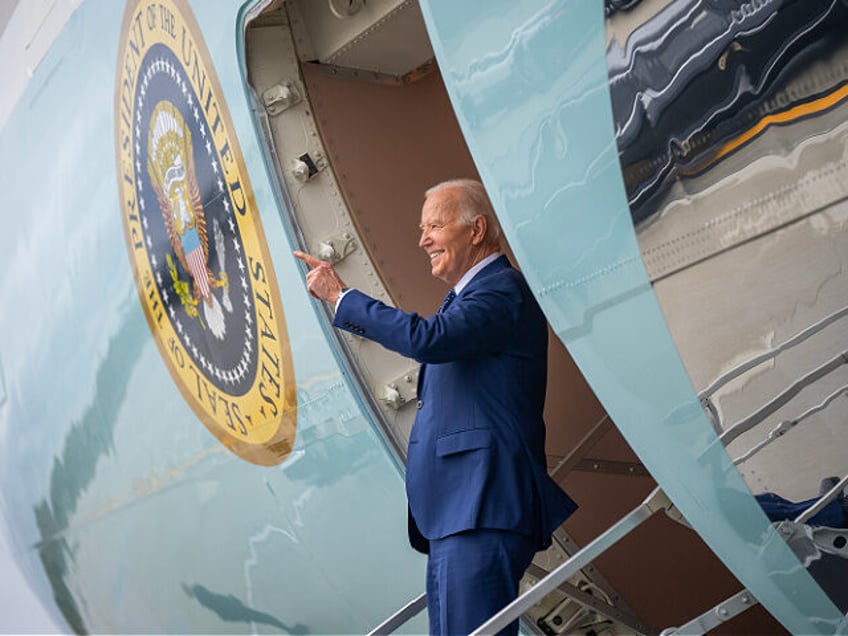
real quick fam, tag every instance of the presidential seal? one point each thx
(194, 236)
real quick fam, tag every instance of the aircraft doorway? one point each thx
(359, 125)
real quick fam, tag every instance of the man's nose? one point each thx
(425, 238)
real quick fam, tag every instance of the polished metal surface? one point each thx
(730, 129)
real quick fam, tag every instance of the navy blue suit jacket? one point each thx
(477, 449)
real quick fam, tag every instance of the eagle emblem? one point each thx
(170, 165)
(194, 236)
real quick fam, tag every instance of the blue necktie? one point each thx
(447, 301)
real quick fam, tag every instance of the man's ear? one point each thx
(479, 227)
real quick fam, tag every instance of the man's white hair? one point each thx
(470, 200)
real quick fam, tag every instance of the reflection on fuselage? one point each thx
(730, 124)
(699, 79)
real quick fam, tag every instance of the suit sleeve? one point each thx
(476, 323)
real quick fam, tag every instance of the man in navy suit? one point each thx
(481, 502)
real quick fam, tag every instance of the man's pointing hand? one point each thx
(322, 281)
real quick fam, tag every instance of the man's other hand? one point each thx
(322, 281)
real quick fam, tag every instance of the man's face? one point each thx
(448, 241)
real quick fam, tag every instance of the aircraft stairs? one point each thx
(588, 607)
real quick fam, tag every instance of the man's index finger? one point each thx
(308, 259)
